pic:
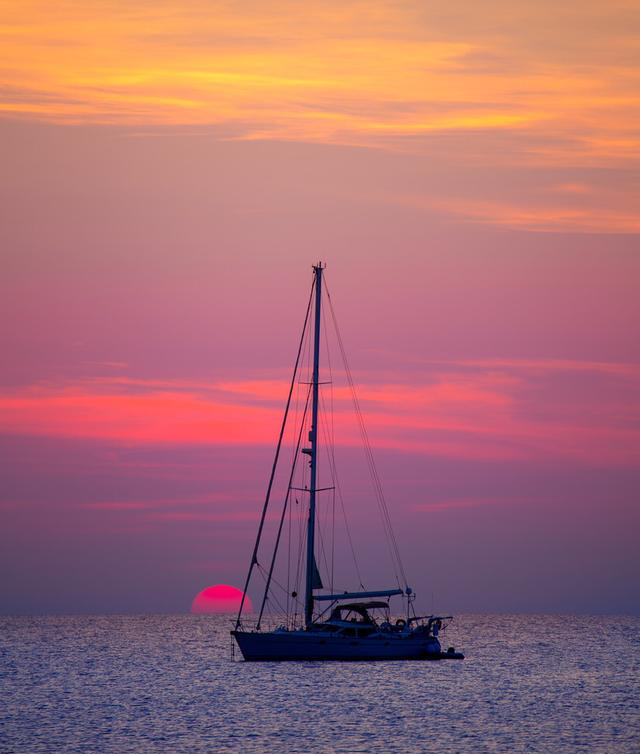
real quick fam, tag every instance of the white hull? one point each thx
(311, 645)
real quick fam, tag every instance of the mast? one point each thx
(313, 438)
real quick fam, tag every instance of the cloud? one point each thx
(477, 409)
(492, 109)
(445, 505)
(569, 208)
(335, 73)
(159, 503)
(551, 218)
(620, 369)
(156, 416)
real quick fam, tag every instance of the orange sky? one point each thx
(470, 174)
(342, 73)
(381, 75)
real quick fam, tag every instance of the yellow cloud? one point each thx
(332, 72)
(513, 86)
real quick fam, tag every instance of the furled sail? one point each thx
(316, 581)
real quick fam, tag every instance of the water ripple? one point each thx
(147, 684)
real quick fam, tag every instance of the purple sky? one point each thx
(162, 202)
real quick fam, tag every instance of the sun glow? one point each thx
(220, 598)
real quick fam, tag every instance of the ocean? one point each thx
(153, 683)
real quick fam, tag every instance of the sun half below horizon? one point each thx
(220, 598)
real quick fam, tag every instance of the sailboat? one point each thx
(327, 624)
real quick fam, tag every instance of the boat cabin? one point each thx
(356, 612)
(352, 619)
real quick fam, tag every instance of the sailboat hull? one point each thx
(310, 645)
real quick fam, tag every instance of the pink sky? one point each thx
(470, 176)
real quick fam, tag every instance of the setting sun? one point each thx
(220, 598)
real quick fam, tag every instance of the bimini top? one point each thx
(360, 608)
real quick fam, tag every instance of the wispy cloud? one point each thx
(484, 409)
(446, 505)
(155, 416)
(552, 218)
(440, 83)
(620, 369)
(159, 504)
(570, 208)
(331, 72)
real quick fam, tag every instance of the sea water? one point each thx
(120, 684)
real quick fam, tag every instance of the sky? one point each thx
(469, 172)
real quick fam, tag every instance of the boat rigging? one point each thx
(355, 624)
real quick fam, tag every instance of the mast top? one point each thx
(320, 266)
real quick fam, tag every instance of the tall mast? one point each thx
(313, 438)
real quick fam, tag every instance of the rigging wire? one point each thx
(331, 446)
(302, 527)
(338, 489)
(305, 359)
(327, 429)
(262, 572)
(289, 522)
(254, 556)
(284, 511)
(394, 550)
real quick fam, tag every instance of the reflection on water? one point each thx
(167, 684)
